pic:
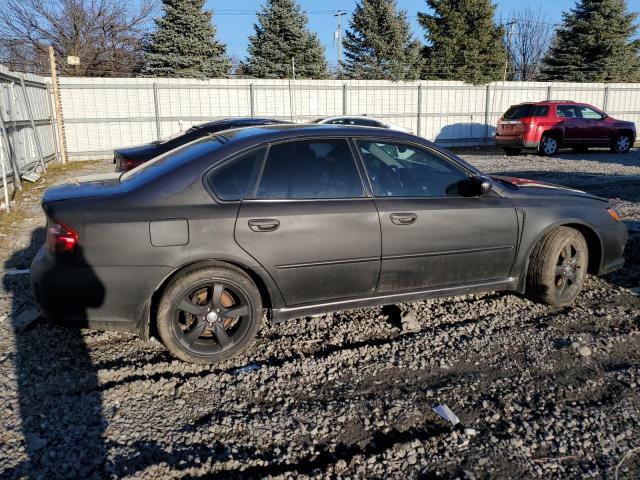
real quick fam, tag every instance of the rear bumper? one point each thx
(103, 298)
(514, 142)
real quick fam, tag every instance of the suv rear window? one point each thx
(528, 110)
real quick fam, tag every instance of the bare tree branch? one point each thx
(107, 35)
(529, 43)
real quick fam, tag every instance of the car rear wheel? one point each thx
(621, 143)
(209, 314)
(511, 151)
(557, 267)
(549, 145)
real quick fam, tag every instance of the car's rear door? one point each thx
(432, 235)
(310, 223)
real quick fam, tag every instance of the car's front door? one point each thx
(432, 234)
(597, 130)
(310, 224)
(574, 126)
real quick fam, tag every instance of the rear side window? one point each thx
(310, 169)
(541, 111)
(235, 180)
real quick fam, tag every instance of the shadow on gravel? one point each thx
(64, 436)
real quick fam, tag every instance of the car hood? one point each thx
(536, 187)
(83, 187)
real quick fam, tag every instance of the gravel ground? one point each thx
(540, 391)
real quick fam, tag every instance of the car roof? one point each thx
(239, 121)
(269, 133)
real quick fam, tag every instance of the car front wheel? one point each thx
(557, 267)
(549, 146)
(621, 144)
(209, 313)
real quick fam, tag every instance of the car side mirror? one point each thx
(483, 185)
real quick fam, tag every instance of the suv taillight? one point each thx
(61, 239)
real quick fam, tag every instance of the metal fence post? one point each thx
(252, 100)
(487, 106)
(156, 109)
(29, 112)
(605, 101)
(344, 99)
(549, 92)
(419, 122)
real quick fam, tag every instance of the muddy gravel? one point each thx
(540, 391)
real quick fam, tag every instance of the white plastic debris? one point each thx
(247, 368)
(17, 271)
(446, 413)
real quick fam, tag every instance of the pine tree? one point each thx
(595, 43)
(464, 43)
(281, 35)
(378, 44)
(184, 43)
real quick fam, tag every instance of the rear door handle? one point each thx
(264, 224)
(403, 218)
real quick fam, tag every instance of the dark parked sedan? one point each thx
(128, 158)
(300, 220)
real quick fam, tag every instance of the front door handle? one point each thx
(264, 224)
(403, 218)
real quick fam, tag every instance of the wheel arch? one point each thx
(267, 295)
(554, 132)
(626, 130)
(594, 244)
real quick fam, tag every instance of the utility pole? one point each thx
(58, 105)
(338, 35)
(510, 26)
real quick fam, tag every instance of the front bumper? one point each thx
(614, 240)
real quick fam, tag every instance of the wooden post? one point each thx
(58, 106)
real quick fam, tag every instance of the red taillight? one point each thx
(61, 239)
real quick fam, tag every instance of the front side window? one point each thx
(309, 169)
(590, 113)
(234, 181)
(568, 111)
(398, 170)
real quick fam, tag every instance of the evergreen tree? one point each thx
(378, 44)
(184, 43)
(595, 43)
(280, 35)
(463, 41)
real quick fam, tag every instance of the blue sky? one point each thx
(234, 19)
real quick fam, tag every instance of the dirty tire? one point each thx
(208, 314)
(511, 151)
(557, 267)
(549, 145)
(622, 143)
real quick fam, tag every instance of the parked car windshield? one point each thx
(519, 111)
(170, 161)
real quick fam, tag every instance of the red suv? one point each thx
(551, 125)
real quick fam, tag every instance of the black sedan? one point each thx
(128, 158)
(297, 220)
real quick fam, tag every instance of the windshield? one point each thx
(519, 111)
(173, 158)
